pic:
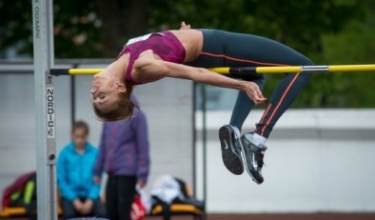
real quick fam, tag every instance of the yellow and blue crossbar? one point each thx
(247, 70)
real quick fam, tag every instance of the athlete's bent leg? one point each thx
(243, 106)
(281, 99)
(222, 48)
(251, 50)
(229, 135)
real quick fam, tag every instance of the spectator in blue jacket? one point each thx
(79, 192)
(124, 155)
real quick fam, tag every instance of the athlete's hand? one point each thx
(254, 92)
(184, 26)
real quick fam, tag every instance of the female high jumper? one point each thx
(185, 54)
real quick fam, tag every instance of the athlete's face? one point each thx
(105, 91)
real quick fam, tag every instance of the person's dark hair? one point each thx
(80, 125)
(123, 110)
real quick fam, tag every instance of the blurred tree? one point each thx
(15, 25)
(83, 28)
(336, 31)
(121, 19)
(354, 45)
(76, 28)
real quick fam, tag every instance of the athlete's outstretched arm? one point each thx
(168, 69)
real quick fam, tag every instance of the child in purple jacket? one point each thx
(124, 155)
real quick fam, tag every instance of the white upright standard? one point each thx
(44, 108)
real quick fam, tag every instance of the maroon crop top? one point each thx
(165, 44)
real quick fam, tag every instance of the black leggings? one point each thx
(120, 193)
(221, 48)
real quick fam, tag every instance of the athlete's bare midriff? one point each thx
(192, 40)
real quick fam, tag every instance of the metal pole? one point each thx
(44, 109)
(73, 99)
(194, 130)
(73, 96)
(204, 146)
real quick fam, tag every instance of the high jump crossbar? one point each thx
(247, 70)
